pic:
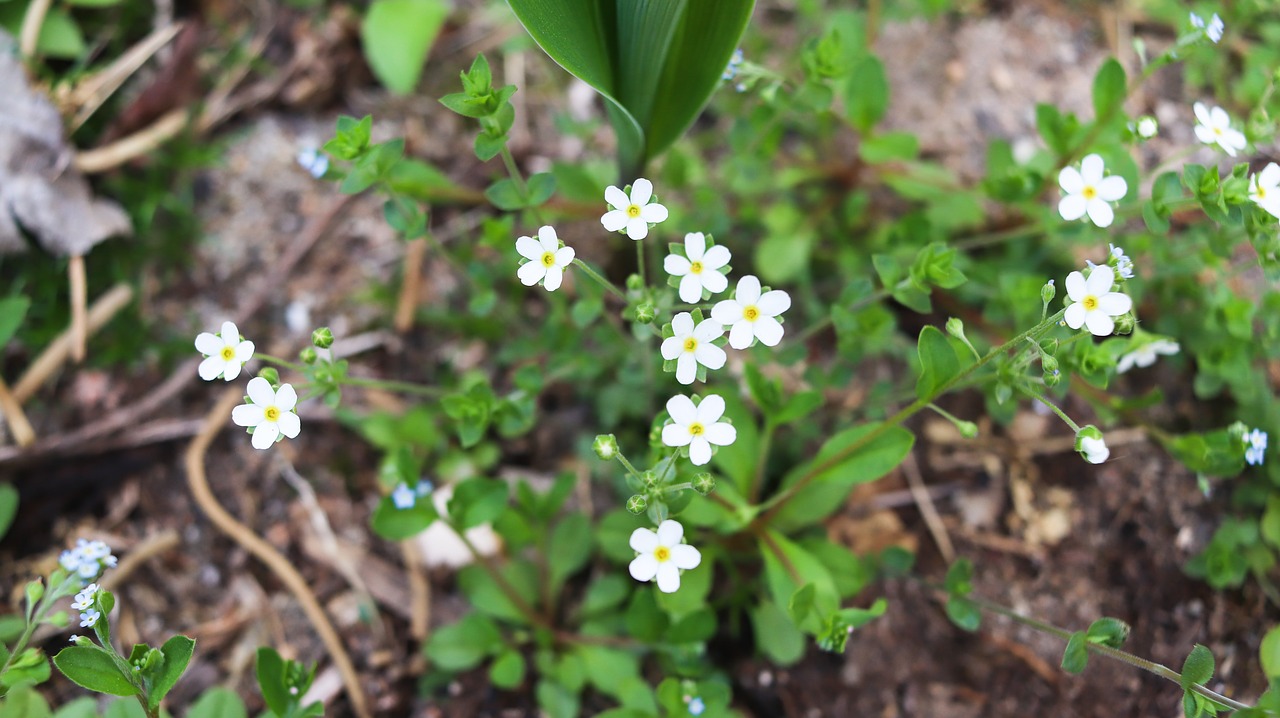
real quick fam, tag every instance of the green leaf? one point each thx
(124, 709)
(465, 644)
(939, 363)
(508, 670)
(1076, 655)
(959, 581)
(1108, 632)
(867, 95)
(570, 545)
(92, 668)
(218, 702)
(397, 35)
(826, 492)
(1269, 653)
(504, 195)
(604, 593)
(396, 524)
(1198, 668)
(541, 187)
(272, 680)
(776, 636)
(477, 501)
(12, 311)
(60, 36)
(964, 613)
(1109, 89)
(556, 700)
(177, 654)
(24, 702)
(85, 707)
(8, 506)
(889, 147)
(488, 597)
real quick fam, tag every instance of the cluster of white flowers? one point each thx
(1213, 30)
(84, 604)
(1255, 447)
(270, 412)
(87, 559)
(662, 554)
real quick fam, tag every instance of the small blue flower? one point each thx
(1255, 447)
(731, 71)
(313, 161)
(696, 707)
(403, 497)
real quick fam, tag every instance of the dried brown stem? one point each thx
(55, 355)
(414, 252)
(21, 429)
(79, 304)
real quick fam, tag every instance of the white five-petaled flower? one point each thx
(89, 617)
(224, 354)
(1264, 188)
(1147, 127)
(404, 497)
(1255, 447)
(315, 162)
(1213, 30)
(547, 259)
(87, 559)
(697, 426)
(699, 269)
(635, 213)
(1090, 192)
(270, 414)
(751, 315)
(84, 599)
(1146, 354)
(691, 346)
(1093, 449)
(1093, 303)
(1124, 265)
(662, 555)
(1215, 129)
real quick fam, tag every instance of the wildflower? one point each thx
(1093, 304)
(1264, 188)
(697, 426)
(699, 269)
(1147, 127)
(1214, 29)
(1089, 192)
(547, 259)
(84, 599)
(269, 413)
(697, 706)
(1124, 265)
(87, 559)
(1146, 354)
(633, 214)
(313, 161)
(662, 555)
(89, 617)
(1215, 129)
(224, 355)
(1255, 447)
(751, 314)
(1091, 446)
(425, 488)
(691, 346)
(735, 63)
(403, 497)
(605, 446)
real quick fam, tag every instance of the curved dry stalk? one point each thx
(54, 355)
(79, 307)
(19, 426)
(263, 551)
(133, 146)
(31, 24)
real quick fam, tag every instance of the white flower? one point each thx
(700, 268)
(1093, 302)
(224, 354)
(662, 555)
(547, 259)
(697, 706)
(313, 161)
(1215, 28)
(270, 414)
(84, 599)
(440, 546)
(1147, 127)
(1093, 449)
(634, 213)
(1146, 354)
(87, 559)
(1264, 188)
(1089, 192)
(1255, 447)
(1124, 265)
(89, 617)
(735, 62)
(691, 346)
(697, 427)
(751, 315)
(1215, 129)
(404, 497)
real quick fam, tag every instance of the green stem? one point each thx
(610, 286)
(297, 368)
(627, 464)
(403, 387)
(1037, 395)
(503, 585)
(644, 282)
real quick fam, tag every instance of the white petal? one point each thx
(710, 356)
(690, 289)
(716, 257)
(1070, 181)
(681, 410)
(644, 567)
(768, 331)
(1205, 135)
(1112, 189)
(1218, 118)
(564, 256)
(670, 532)
(1072, 207)
(644, 540)
(289, 424)
(676, 435)
(708, 330)
(728, 311)
(641, 191)
(742, 334)
(1076, 287)
(617, 198)
(1091, 169)
(668, 577)
(1272, 206)
(208, 344)
(548, 239)
(714, 282)
(1270, 175)
(265, 435)
(721, 434)
(248, 415)
(671, 348)
(774, 303)
(1126, 362)
(675, 265)
(614, 220)
(244, 351)
(286, 398)
(653, 213)
(1202, 113)
(530, 273)
(529, 248)
(260, 392)
(682, 324)
(1100, 280)
(748, 290)
(230, 335)
(211, 367)
(686, 369)
(231, 370)
(1099, 324)
(1074, 316)
(695, 246)
(555, 274)
(685, 556)
(710, 410)
(699, 451)
(1114, 304)
(1235, 140)
(637, 228)
(1100, 213)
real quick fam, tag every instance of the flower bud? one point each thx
(1049, 364)
(1125, 323)
(635, 283)
(1091, 446)
(955, 328)
(308, 355)
(637, 504)
(270, 374)
(968, 429)
(1047, 292)
(646, 312)
(650, 479)
(704, 483)
(605, 446)
(322, 338)
(1147, 127)
(1052, 378)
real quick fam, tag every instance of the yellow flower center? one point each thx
(1090, 303)
(1217, 131)
(228, 353)
(695, 268)
(750, 313)
(1089, 192)
(633, 211)
(695, 429)
(1261, 192)
(690, 344)
(662, 553)
(271, 413)
(548, 259)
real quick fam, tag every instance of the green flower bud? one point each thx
(1052, 378)
(308, 355)
(635, 283)
(1049, 364)
(955, 328)
(704, 483)
(1047, 292)
(605, 446)
(322, 338)
(968, 429)
(637, 504)
(1125, 323)
(646, 312)
(270, 374)
(649, 478)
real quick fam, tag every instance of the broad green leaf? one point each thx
(570, 546)
(1108, 89)
(938, 362)
(1076, 655)
(556, 700)
(12, 311)
(488, 597)
(93, 669)
(397, 35)
(60, 36)
(867, 96)
(1269, 652)
(464, 644)
(776, 636)
(271, 680)
(177, 654)
(889, 147)
(8, 505)
(1108, 632)
(24, 702)
(83, 707)
(825, 493)
(218, 702)
(1198, 668)
(508, 670)
(964, 613)
(504, 195)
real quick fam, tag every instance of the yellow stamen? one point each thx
(548, 259)
(1090, 303)
(271, 413)
(228, 353)
(1089, 192)
(695, 429)
(633, 211)
(751, 313)
(690, 344)
(695, 268)
(662, 553)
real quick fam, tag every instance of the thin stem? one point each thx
(627, 464)
(403, 387)
(298, 368)
(946, 414)
(1037, 395)
(503, 585)
(644, 281)
(610, 286)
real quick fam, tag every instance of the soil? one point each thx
(1051, 537)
